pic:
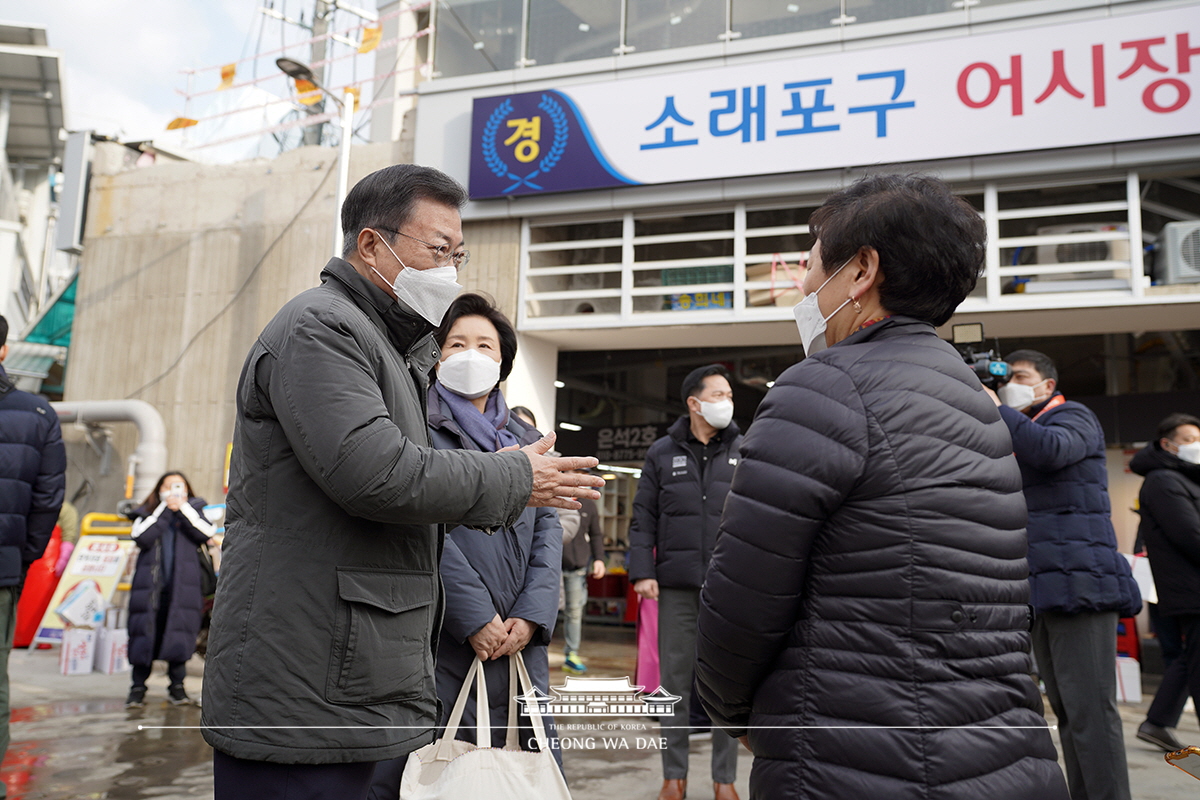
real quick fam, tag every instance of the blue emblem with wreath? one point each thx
(558, 145)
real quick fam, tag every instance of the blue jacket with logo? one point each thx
(33, 465)
(1074, 565)
(676, 512)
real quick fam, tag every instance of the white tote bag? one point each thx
(450, 769)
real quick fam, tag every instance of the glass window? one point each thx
(874, 10)
(476, 36)
(663, 24)
(572, 30)
(768, 17)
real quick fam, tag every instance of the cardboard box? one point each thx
(112, 650)
(78, 654)
(785, 291)
(83, 606)
(1129, 680)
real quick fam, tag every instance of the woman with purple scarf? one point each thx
(501, 587)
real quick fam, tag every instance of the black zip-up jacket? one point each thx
(1169, 503)
(865, 614)
(677, 508)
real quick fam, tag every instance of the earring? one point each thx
(857, 307)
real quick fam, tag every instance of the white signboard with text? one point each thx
(1115, 79)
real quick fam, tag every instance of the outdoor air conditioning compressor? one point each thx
(1180, 252)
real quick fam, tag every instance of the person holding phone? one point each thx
(165, 602)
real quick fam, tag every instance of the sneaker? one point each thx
(177, 696)
(1158, 736)
(574, 665)
(137, 697)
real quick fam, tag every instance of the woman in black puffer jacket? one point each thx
(864, 621)
(165, 604)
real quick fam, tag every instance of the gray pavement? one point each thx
(72, 738)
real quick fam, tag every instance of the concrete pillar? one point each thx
(531, 383)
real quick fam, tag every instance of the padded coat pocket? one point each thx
(382, 647)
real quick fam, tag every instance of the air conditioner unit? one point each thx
(1071, 252)
(1180, 253)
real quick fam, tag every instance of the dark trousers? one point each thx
(8, 625)
(1181, 677)
(1076, 657)
(677, 613)
(1172, 693)
(240, 779)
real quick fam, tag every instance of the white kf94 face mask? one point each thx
(809, 321)
(469, 373)
(1189, 452)
(1018, 395)
(429, 292)
(718, 414)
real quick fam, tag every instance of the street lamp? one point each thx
(302, 72)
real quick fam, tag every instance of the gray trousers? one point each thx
(677, 612)
(1076, 657)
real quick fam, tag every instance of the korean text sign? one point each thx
(1122, 78)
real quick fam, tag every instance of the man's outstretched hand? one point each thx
(554, 484)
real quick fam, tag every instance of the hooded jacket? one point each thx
(33, 465)
(1169, 504)
(1074, 564)
(871, 572)
(328, 608)
(677, 508)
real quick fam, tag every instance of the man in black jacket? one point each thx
(33, 467)
(1169, 503)
(320, 659)
(676, 514)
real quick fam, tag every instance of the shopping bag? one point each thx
(450, 769)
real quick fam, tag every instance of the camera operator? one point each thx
(1079, 583)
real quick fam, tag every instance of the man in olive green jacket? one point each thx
(320, 658)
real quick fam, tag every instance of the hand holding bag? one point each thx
(208, 575)
(449, 769)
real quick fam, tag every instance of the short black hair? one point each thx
(477, 305)
(1041, 362)
(930, 241)
(385, 199)
(522, 411)
(3, 331)
(1167, 428)
(693, 384)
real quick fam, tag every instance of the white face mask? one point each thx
(809, 320)
(469, 373)
(429, 292)
(1018, 395)
(718, 414)
(1189, 452)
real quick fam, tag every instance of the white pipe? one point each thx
(150, 455)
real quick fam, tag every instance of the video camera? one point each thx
(992, 371)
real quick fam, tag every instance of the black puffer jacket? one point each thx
(676, 512)
(33, 468)
(1169, 502)
(871, 572)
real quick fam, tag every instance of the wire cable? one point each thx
(241, 289)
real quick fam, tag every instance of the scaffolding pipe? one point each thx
(150, 456)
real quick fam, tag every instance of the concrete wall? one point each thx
(183, 265)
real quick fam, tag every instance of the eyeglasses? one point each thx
(441, 253)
